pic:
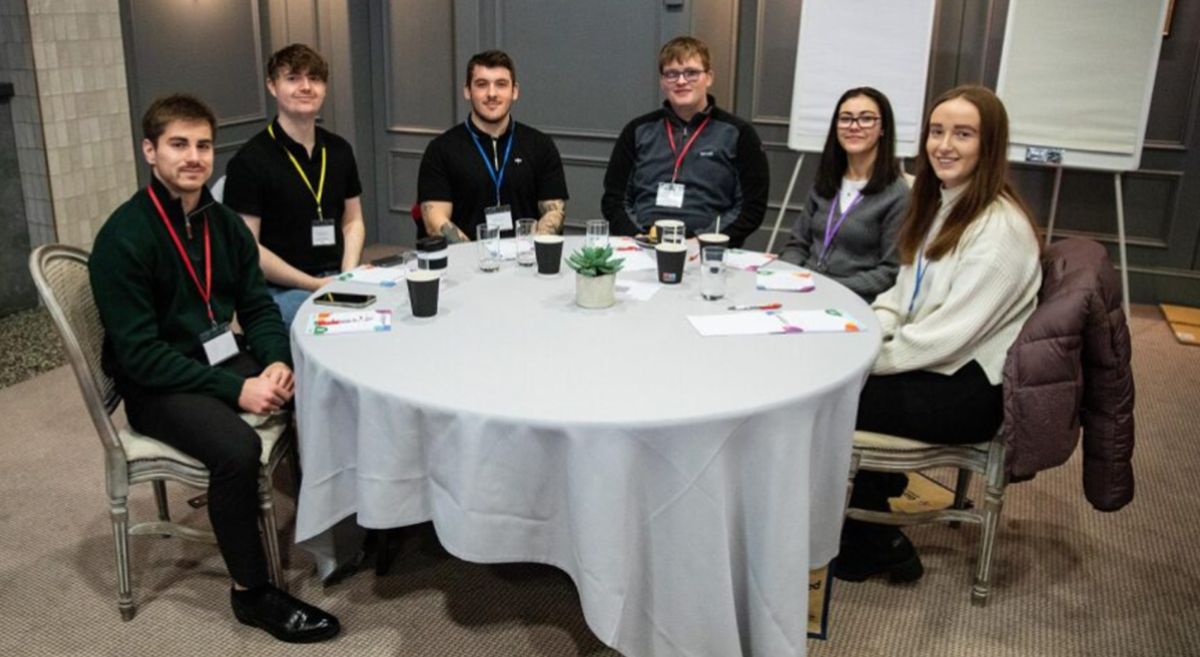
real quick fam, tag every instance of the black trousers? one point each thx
(210, 431)
(958, 409)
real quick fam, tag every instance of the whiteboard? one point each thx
(1077, 76)
(860, 43)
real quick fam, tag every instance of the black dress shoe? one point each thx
(871, 549)
(283, 616)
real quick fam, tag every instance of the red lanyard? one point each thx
(686, 147)
(206, 289)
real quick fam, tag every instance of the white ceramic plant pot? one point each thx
(595, 291)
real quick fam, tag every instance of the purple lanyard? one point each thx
(832, 228)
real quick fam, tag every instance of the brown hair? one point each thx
(176, 107)
(491, 59)
(682, 48)
(297, 58)
(988, 182)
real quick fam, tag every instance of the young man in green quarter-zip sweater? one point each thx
(169, 269)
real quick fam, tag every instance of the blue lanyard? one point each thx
(922, 265)
(497, 176)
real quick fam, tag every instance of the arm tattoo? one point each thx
(553, 212)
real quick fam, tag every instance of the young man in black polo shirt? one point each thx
(168, 270)
(490, 168)
(688, 160)
(296, 185)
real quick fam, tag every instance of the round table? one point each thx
(685, 483)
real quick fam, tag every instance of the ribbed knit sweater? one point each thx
(972, 302)
(152, 312)
(862, 256)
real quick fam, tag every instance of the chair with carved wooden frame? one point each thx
(887, 453)
(61, 275)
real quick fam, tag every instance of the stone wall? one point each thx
(79, 63)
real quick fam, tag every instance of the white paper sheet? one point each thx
(636, 290)
(785, 281)
(635, 257)
(350, 321)
(372, 275)
(774, 321)
(739, 323)
(747, 260)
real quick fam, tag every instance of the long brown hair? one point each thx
(988, 182)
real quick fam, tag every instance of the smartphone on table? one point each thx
(344, 299)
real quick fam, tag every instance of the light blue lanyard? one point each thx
(497, 176)
(922, 265)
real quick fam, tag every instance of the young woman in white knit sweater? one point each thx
(968, 280)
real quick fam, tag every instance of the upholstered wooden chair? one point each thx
(61, 275)
(885, 453)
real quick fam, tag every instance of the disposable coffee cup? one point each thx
(713, 239)
(432, 252)
(548, 249)
(423, 287)
(670, 262)
(670, 230)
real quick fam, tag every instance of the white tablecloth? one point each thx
(686, 484)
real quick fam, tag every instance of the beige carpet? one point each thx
(1068, 580)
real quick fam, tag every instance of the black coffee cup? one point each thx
(432, 251)
(423, 286)
(713, 239)
(671, 258)
(549, 250)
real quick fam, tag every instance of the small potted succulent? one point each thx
(595, 276)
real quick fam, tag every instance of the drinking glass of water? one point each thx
(597, 233)
(712, 272)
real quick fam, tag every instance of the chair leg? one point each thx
(961, 488)
(119, 511)
(270, 531)
(960, 493)
(992, 503)
(855, 458)
(160, 499)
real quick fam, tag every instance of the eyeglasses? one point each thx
(864, 121)
(688, 74)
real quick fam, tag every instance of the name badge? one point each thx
(670, 195)
(323, 232)
(499, 215)
(219, 344)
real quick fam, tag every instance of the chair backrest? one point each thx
(217, 190)
(60, 273)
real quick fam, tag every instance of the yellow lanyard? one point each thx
(320, 185)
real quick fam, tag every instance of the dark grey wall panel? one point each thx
(219, 51)
(219, 57)
(777, 24)
(577, 89)
(403, 164)
(422, 84)
(1177, 85)
(16, 287)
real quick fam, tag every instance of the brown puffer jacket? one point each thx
(1070, 366)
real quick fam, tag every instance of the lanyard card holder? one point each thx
(219, 344)
(670, 195)
(499, 216)
(323, 232)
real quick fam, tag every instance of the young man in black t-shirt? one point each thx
(296, 185)
(490, 168)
